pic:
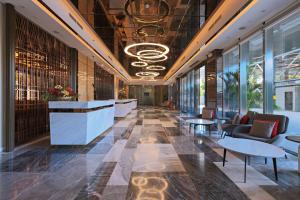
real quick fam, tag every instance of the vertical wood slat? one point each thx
(104, 84)
(41, 62)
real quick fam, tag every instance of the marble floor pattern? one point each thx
(149, 154)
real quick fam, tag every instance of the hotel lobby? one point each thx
(149, 99)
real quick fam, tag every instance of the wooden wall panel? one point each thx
(104, 84)
(42, 61)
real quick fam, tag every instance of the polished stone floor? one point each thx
(148, 155)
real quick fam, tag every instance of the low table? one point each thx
(251, 148)
(295, 138)
(201, 122)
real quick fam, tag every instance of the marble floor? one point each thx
(149, 154)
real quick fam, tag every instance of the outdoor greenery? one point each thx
(254, 87)
(231, 83)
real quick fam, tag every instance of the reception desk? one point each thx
(78, 123)
(124, 106)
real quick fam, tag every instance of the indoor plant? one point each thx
(60, 93)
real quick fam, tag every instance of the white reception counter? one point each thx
(78, 123)
(124, 106)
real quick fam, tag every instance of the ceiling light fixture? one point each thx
(155, 68)
(146, 44)
(147, 5)
(164, 9)
(139, 64)
(147, 74)
(164, 57)
(150, 54)
(142, 31)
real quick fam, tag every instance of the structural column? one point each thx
(9, 77)
(211, 78)
(2, 95)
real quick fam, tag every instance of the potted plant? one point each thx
(60, 93)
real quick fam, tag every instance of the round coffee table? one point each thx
(251, 148)
(295, 138)
(201, 122)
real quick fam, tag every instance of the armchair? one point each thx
(208, 113)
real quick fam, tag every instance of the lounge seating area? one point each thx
(279, 125)
(265, 128)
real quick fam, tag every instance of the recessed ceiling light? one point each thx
(242, 28)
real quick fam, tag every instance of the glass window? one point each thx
(231, 82)
(251, 72)
(283, 56)
(220, 86)
(202, 88)
(197, 88)
(185, 94)
(191, 91)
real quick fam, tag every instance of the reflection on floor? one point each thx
(147, 155)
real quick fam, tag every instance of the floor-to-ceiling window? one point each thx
(283, 60)
(197, 88)
(251, 73)
(199, 93)
(231, 82)
(202, 88)
(191, 91)
(184, 101)
(220, 86)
